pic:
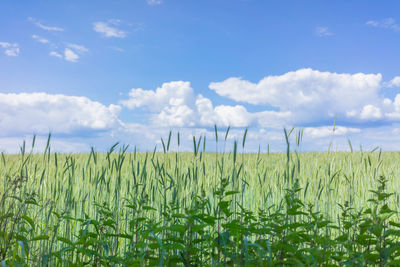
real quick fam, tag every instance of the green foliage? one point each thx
(198, 209)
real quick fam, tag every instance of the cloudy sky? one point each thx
(96, 73)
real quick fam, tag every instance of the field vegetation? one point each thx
(200, 209)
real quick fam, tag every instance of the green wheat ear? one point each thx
(130, 208)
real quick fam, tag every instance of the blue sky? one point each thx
(93, 73)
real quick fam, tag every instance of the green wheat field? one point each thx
(200, 209)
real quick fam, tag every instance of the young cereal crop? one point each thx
(199, 209)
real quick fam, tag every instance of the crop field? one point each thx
(199, 209)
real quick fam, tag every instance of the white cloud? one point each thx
(171, 93)
(174, 104)
(11, 50)
(388, 23)
(395, 82)
(70, 55)
(45, 27)
(385, 110)
(169, 104)
(40, 39)
(78, 48)
(325, 131)
(303, 97)
(323, 31)
(275, 119)
(394, 113)
(174, 115)
(41, 113)
(154, 2)
(309, 94)
(72, 51)
(109, 29)
(55, 54)
(237, 116)
(370, 112)
(205, 110)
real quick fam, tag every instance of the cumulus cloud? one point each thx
(11, 50)
(370, 112)
(388, 23)
(303, 97)
(45, 27)
(171, 93)
(175, 104)
(72, 52)
(169, 103)
(70, 55)
(41, 113)
(300, 98)
(310, 97)
(282, 101)
(309, 94)
(394, 111)
(109, 29)
(323, 31)
(395, 82)
(175, 115)
(237, 116)
(386, 111)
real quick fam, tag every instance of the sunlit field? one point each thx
(194, 209)
(199, 133)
